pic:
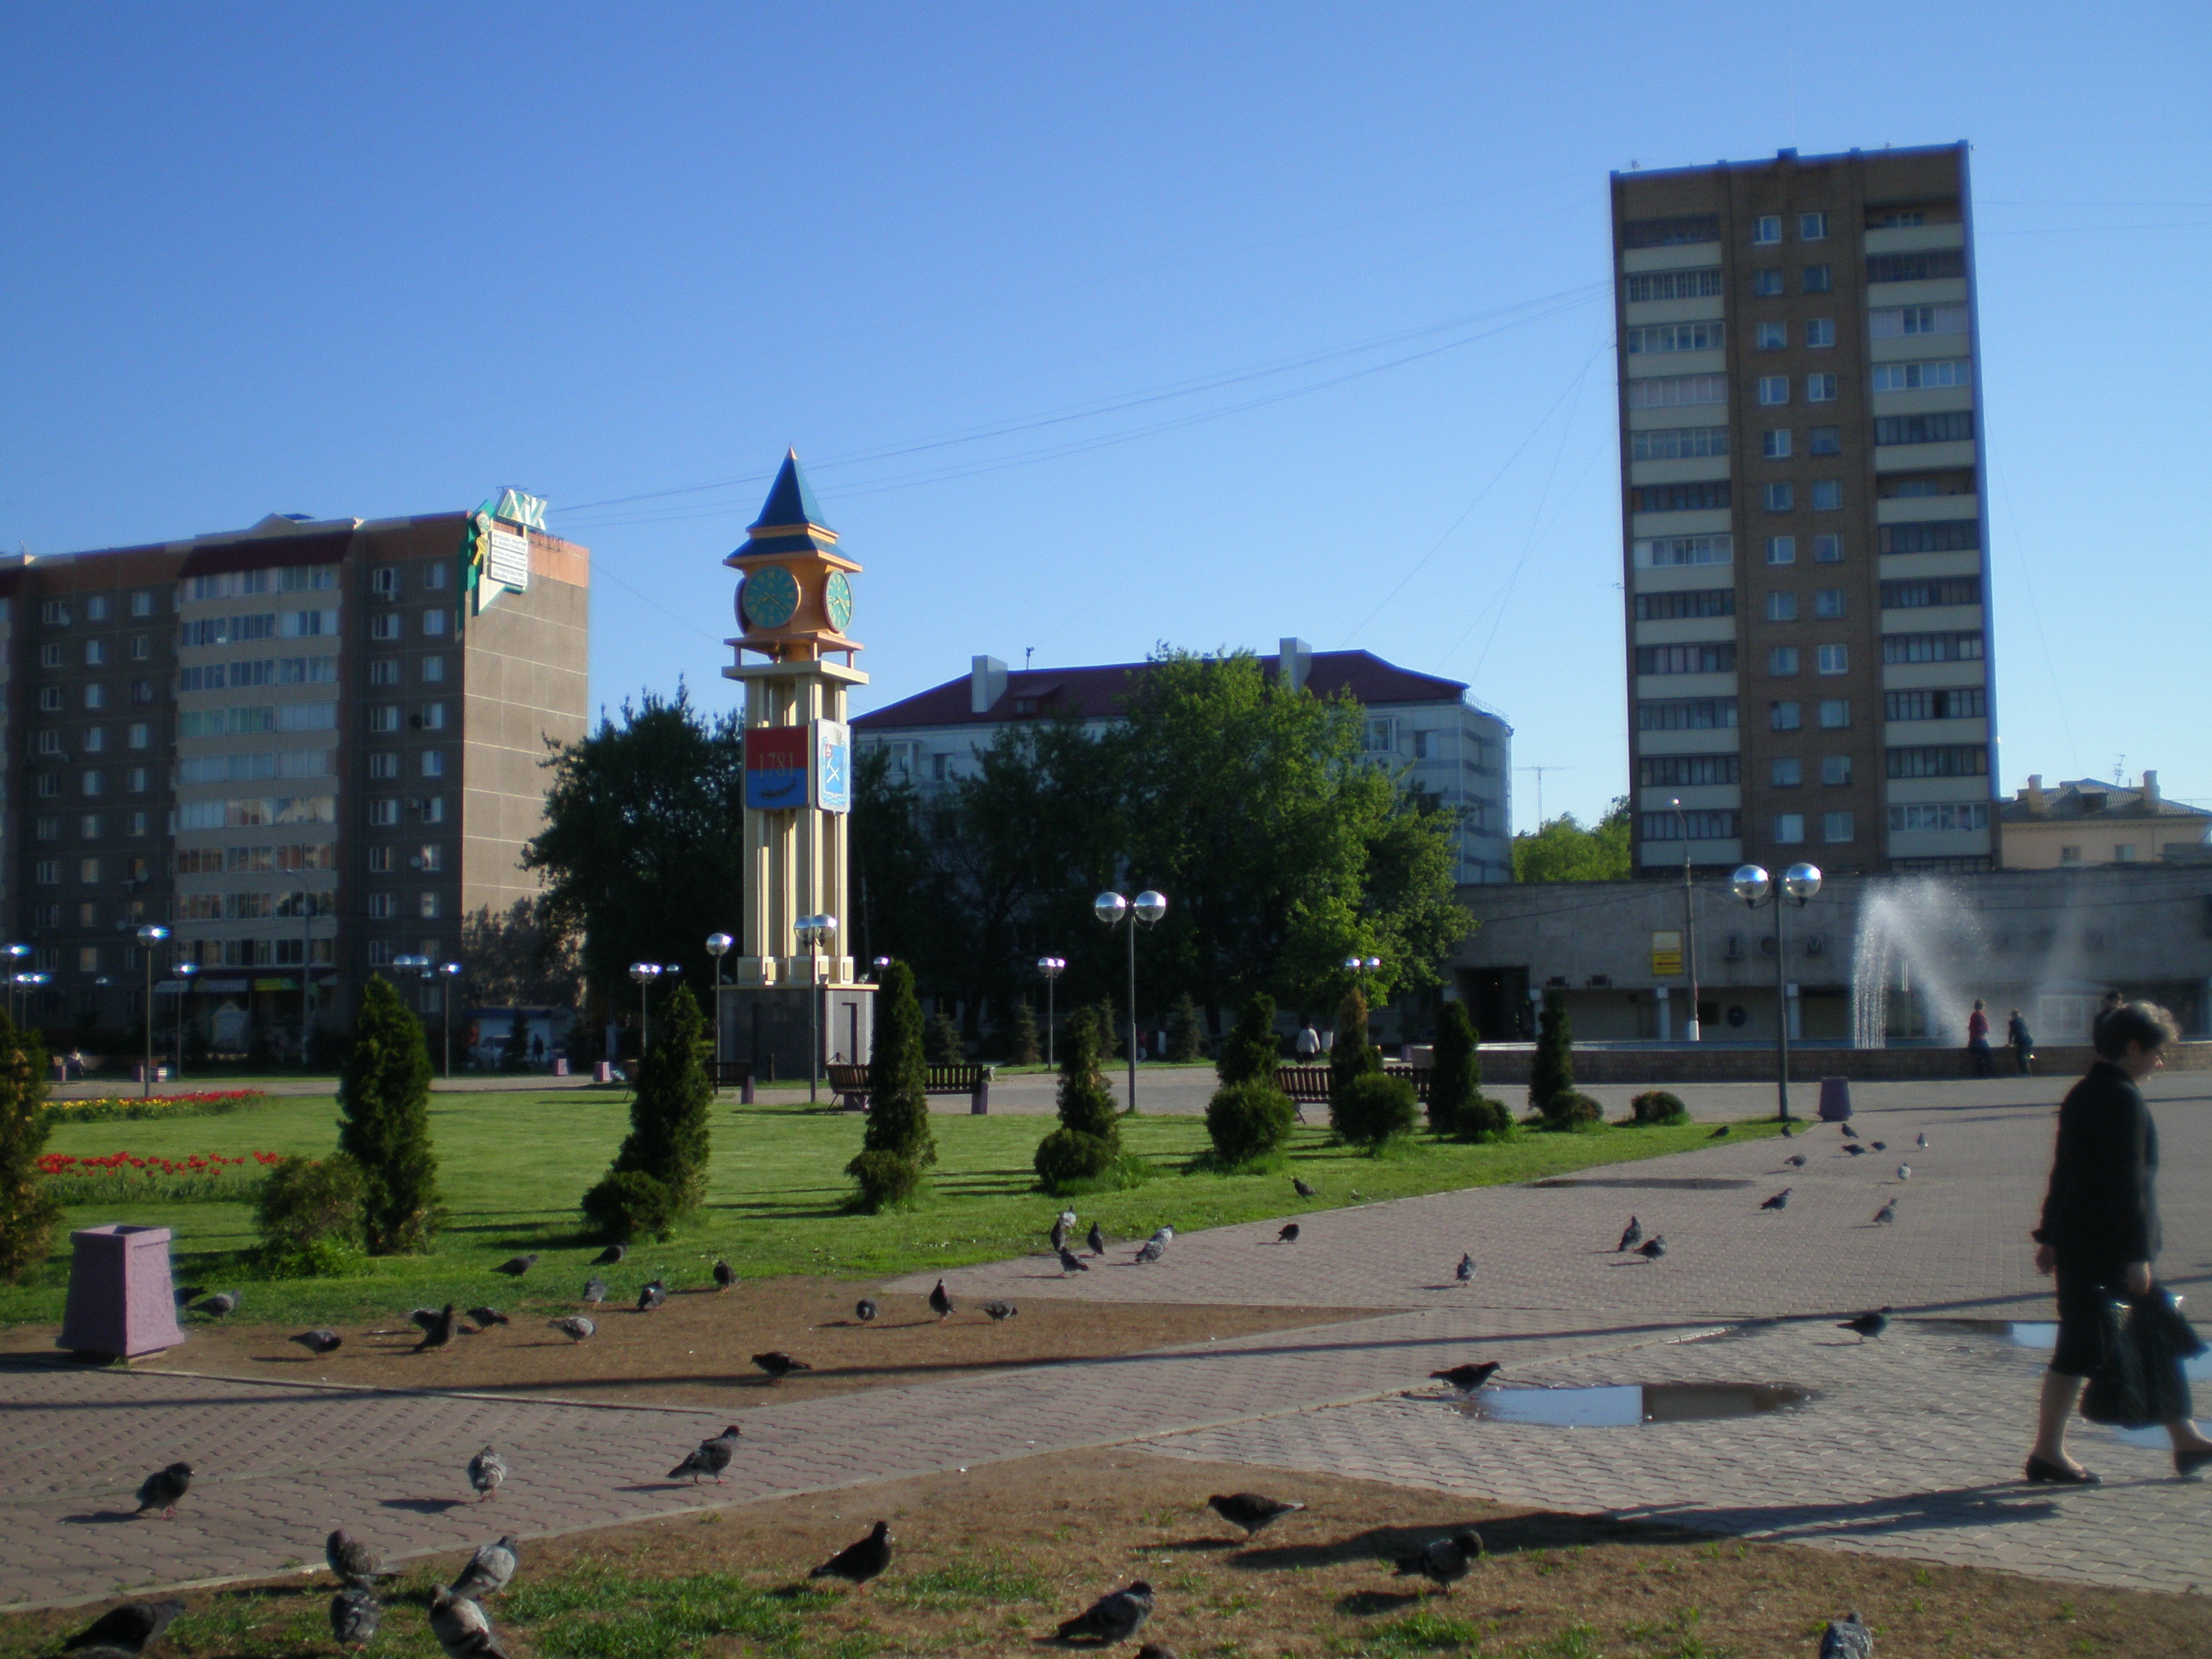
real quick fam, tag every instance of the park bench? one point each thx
(1307, 1086)
(850, 1084)
(733, 1074)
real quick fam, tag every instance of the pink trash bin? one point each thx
(122, 1302)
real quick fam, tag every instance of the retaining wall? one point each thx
(1510, 1063)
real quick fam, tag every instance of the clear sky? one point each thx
(1095, 326)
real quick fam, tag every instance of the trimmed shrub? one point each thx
(668, 1135)
(1456, 1077)
(1066, 1157)
(629, 1204)
(898, 1109)
(885, 1179)
(1089, 1139)
(1485, 1120)
(1373, 1109)
(1658, 1106)
(1022, 1045)
(28, 1213)
(384, 1090)
(1573, 1110)
(1186, 1032)
(1352, 1056)
(945, 1045)
(1249, 1053)
(1552, 1073)
(309, 1217)
(1246, 1121)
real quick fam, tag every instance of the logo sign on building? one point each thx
(528, 510)
(833, 766)
(1665, 954)
(776, 767)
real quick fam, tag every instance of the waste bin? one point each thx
(122, 1302)
(1835, 1099)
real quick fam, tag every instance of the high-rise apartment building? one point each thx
(1805, 545)
(306, 749)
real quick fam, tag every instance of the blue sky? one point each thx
(1096, 327)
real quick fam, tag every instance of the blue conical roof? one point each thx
(789, 499)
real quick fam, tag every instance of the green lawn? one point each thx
(511, 1167)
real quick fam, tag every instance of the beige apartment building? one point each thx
(307, 749)
(1804, 544)
(2090, 821)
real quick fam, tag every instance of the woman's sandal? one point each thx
(2187, 1463)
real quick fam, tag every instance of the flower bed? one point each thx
(117, 1109)
(119, 1177)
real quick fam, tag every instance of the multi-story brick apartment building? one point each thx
(306, 749)
(1806, 550)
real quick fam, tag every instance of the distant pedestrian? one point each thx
(1308, 1044)
(1978, 1039)
(2023, 1044)
(2104, 1009)
(2100, 1232)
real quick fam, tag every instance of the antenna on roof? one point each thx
(1539, 771)
(1028, 651)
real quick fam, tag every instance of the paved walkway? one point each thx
(1907, 1445)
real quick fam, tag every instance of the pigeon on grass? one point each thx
(1779, 1201)
(355, 1615)
(352, 1562)
(1096, 1241)
(1631, 1236)
(612, 1256)
(865, 1310)
(1465, 1272)
(185, 1294)
(576, 1327)
(489, 1570)
(595, 1291)
(940, 1304)
(725, 1276)
(487, 1317)
(1114, 1617)
(1289, 1235)
(1719, 1133)
(128, 1628)
(320, 1341)
(439, 1332)
(1300, 1188)
(1157, 1651)
(461, 1628)
(779, 1364)
(1443, 1562)
(515, 1266)
(1846, 1638)
(216, 1306)
(1467, 1378)
(1867, 1324)
(1069, 1263)
(165, 1489)
(1059, 1232)
(1251, 1510)
(858, 1563)
(652, 1297)
(1000, 1310)
(711, 1457)
(486, 1470)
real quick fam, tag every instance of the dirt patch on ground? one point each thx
(697, 1350)
(989, 1561)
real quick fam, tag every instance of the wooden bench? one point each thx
(733, 1074)
(850, 1084)
(1307, 1086)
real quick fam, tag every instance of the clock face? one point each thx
(770, 596)
(837, 600)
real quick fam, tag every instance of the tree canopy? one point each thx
(1560, 849)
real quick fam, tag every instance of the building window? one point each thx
(1820, 388)
(1956, 815)
(1782, 661)
(1781, 607)
(1931, 647)
(48, 872)
(141, 690)
(384, 765)
(1835, 713)
(434, 763)
(1766, 229)
(1833, 659)
(1835, 828)
(1714, 658)
(1686, 714)
(380, 953)
(1425, 745)
(380, 861)
(433, 717)
(429, 906)
(1671, 232)
(1771, 336)
(1677, 391)
(1835, 770)
(1774, 443)
(49, 742)
(1940, 536)
(433, 669)
(55, 613)
(384, 813)
(434, 574)
(1897, 322)
(1665, 552)
(1786, 772)
(1828, 602)
(93, 782)
(1677, 443)
(50, 656)
(1941, 759)
(47, 829)
(138, 735)
(1819, 279)
(87, 827)
(1820, 331)
(1930, 265)
(1812, 227)
(385, 626)
(1696, 602)
(142, 605)
(1915, 377)
(384, 717)
(433, 809)
(1698, 285)
(136, 823)
(434, 625)
(1768, 284)
(384, 581)
(87, 871)
(381, 906)
(1782, 549)
(384, 671)
(50, 783)
(95, 739)
(50, 699)
(1685, 771)
(1827, 495)
(1712, 825)
(1827, 550)
(2066, 854)
(1780, 497)
(1773, 389)
(1931, 591)
(1658, 337)
(1785, 717)
(1957, 703)
(1826, 441)
(1704, 496)
(135, 781)
(1949, 427)
(1788, 828)
(432, 857)
(95, 653)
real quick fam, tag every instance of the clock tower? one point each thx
(793, 604)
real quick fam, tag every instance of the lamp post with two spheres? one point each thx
(183, 970)
(645, 973)
(149, 935)
(15, 953)
(1148, 907)
(1753, 886)
(1052, 968)
(718, 946)
(814, 930)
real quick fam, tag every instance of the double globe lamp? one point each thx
(1755, 887)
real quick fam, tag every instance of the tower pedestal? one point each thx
(767, 1025)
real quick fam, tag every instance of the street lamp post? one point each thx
(718, 946)
(1692, 1029)
(814, 930)
(1359, 967)
(1148, 908)
(15, 953)
(644, 973)
(448, 972)
(148, 937)
(1052, 968)
(1752, 885)
(184, 971)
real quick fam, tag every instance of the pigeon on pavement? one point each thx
(1922, 1142)
(1886, 1214)
(1113, 1617)
(1846, 1638)
(609, 1256)
(320, 1341)
(856, 1564)
(1631, 1236)
(652, 1296)
(164, 1489)
(1000, 1310)
(515, 1266)
(710, 1457)
(595, 1291)
(1069, 1263)
(1289, 1235)
(353, 1617)
(489, 1570)
(216, 1306)
(128, 1627)
(1850, 1134)
(1465, 1271)
(1867, 1324)
(576, 1327)
(1879, 1146)
(725, 1276)
(865, 1310)
(1904, 1172)
(1300, 1188)
(1067, 1218)
(1653, 1247)
(1795, 1161)
(779, 1364)
(1096, 1241)
(487, 1317)
(439, 1332)
(1150, 1250)
(424, 1318)
(1779, 1201)
(486, 1470)
(1854, 1149)
(1251, 1510)
(1467, 1378)
(461, 1628)
(1164, 1235)
(1444, 1562)
(352, 1561)
(939, 1302)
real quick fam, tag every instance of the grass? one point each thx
(511, 1167)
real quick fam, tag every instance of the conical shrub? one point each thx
(384, 1091)
(28, 1214)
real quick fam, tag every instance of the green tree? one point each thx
(945, 1047)
(28, 1213)
(1552, 1073)
(1088, 1138)
(1352, 1056)
(1107, 1029)
(1186, 1033)
(670, 1138)
(1249, 1053)
(1024, 1045)
(1455, 1073)
(516, 959)
(383, 1091)
(897, 1143)
(1560, 849)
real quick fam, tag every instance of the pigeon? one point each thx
(184, 1293)
(424, 1318)
(1096, 1241)
(1718, 1134)
(486, 1470)
(1067, 1218)
(1467, 1378)
(1250, 1511)
(1300, 1188)
(1850, 1134)
(865, 1310)
(1886, 1214)
(1779, 1201)
(711, 1457)
(1150, 1250)
(1788, 1134)
(352, 1562)
(489, 1570)
(1846, 1638)
(354, 1617)
(439, 1332)
(1289, 1235)
(129, 1627)
(1000, 1310)
(611, 1256)
(941, 1305)
(1879, 1146)
(320, 1341)
(1867, 1324)
(1059, 1233)
(1157, 1651)
(1653, 1247)
(515, 1266)
(779, 1364)
(462, 1629)
(1795, 1161)
(1444, 1561)
(1922, 1142)
(216, 1306)
(1113, 1617)
(576, 1327)
(1631, 1236)
(652, 1297)
(856, 1564)
(595, 1291)
(1904, 1172)
(487, 1317)
(725, 1276)
(165, 1489)
(1465, 1271)
(1069, 1263)
(1855, 1150)
(1162, 1234)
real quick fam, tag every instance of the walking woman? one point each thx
(2099, 1233)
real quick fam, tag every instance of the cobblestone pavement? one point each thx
(1907, 1446)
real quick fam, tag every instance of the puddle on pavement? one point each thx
(1631, 1405)
(1669, 1183)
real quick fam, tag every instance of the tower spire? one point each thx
(790, 500)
